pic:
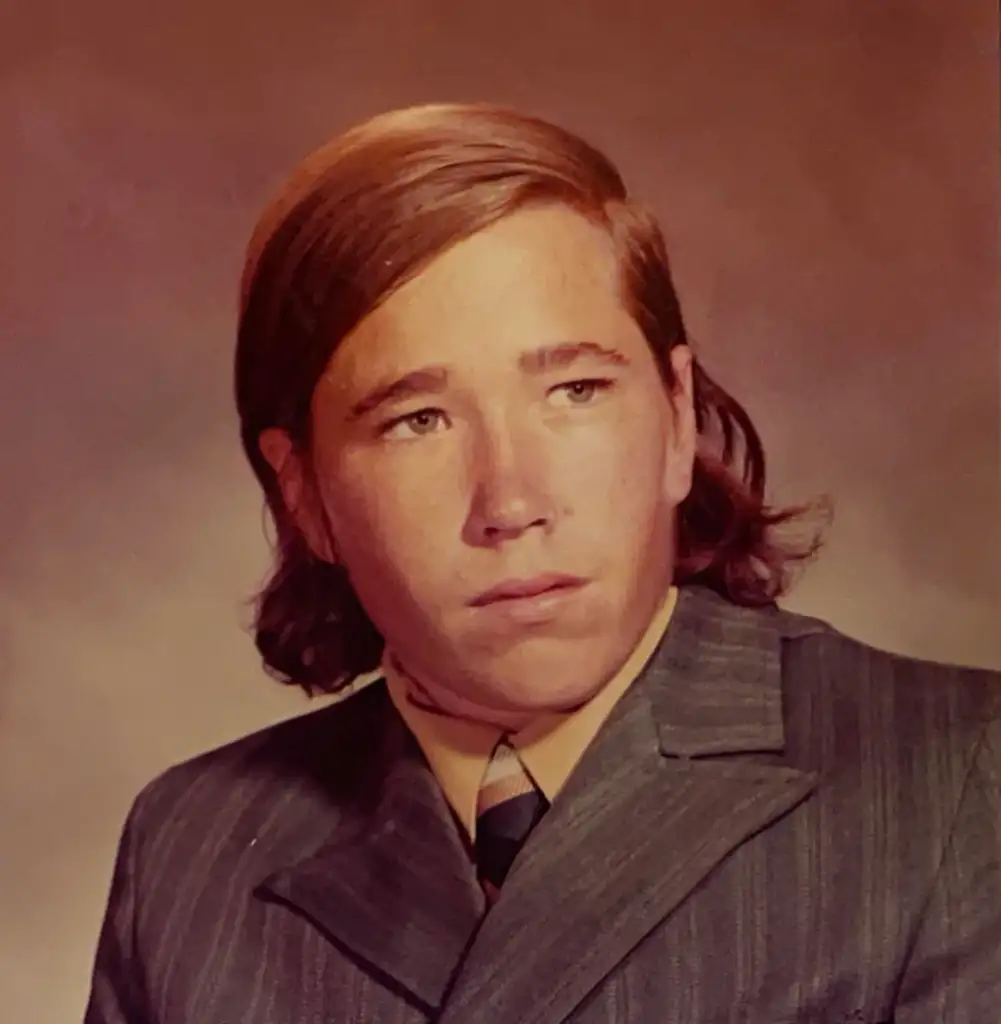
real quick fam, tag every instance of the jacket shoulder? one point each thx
(301, 764)
(850, 669)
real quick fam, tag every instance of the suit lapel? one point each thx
(649, 812)
(397, 891)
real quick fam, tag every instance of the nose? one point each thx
(511, 493)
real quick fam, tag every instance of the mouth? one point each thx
(523, 590)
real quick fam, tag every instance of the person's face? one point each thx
(500, 422)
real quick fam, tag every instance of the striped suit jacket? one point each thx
(776, 824)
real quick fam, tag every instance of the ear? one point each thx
(295, 481)
(681, 443)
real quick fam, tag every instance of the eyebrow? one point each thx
(433, 380)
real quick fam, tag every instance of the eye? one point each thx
(414, 424)
(582, 392)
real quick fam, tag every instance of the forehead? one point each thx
(540, 276)
(536, 255)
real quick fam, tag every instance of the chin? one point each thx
(548, 675)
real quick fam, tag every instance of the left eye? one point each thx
(581, 392)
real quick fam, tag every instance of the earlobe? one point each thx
(276, 447)
(301, 503)
(683, 439)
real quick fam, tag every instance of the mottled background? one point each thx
(827, 175)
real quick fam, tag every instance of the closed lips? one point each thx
(513, 590)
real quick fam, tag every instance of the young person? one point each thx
(603, 778)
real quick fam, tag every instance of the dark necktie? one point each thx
(508, 807)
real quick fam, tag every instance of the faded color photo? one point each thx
(823, 182)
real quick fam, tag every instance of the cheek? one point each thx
(395, 516)
(615, 489)
(625, 454)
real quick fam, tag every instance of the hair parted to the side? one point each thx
(369, 211)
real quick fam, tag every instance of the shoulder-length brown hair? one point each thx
(367, 212)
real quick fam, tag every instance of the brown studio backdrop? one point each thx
(826, 174)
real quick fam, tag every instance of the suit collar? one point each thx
(715, 686)
(396, 892)
(646, 815)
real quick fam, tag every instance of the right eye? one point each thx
(414, 424)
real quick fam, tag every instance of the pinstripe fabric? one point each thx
(776, 824)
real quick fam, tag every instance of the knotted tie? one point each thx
(508, 807)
